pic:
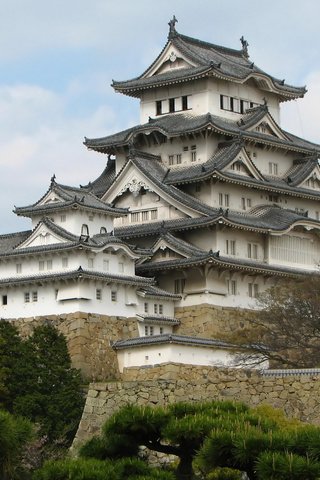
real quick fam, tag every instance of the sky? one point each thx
(58, 59)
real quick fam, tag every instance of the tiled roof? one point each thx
(156, 172)
(209, 59)
(230, 263)
(77, 274)
(262, 218)
(170, 338)
(176, 124)
(181, 245)
(101, 184)
(152, 291)
(158, 319)
(72, 197)
(10, 241)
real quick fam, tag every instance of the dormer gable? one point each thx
(169, 247)
(243, 165)
(169, 59)
(51, 197)
(145, 175)
(267, 126)
(313, 181)
(45, 233)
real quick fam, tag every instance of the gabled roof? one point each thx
(62, 197)
(151, 291)
(101, 184)
(153, 174)
(177, 244)
(198, 58)
(176, 124)
(24, 243)
(302, 169)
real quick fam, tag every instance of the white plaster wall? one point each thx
(76, 218)
(156, 354)
(59, 298)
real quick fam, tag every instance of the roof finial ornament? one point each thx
(53, 178)
(172, 27)
(245, 46)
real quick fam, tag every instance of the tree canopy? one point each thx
(286, 328)
(217, 440)
(40, 383)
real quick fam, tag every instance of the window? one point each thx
(103, 230)
(273, 168)
(34, 296)
(105, 265)
(26, 297)
(151, 330)
(273, 198)
(135, 217)
(171, 159)
(224, 199)
(4, 299)
(90, 218)
(155, 308)
(63, 218)
(171, 105)
(85, 230)
(49, 264)
(253, 290)
(230, 247)
(64, 262)
(18, 267)
(253, 251)
(90, 262)
(317, 215)
(98, 294)
(179, 285)
(154, 214)
(121, 267)
(185, 102)
(113, 296)
(160, 309)
(158, 107)
(234, 104)
(146, 307)
(232, 287)
(146, 330)
(145, 216)
(225, 103)
(178, 158)
(161, 330)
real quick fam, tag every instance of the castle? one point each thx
(207, 201)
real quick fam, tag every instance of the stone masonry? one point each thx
(298, 395)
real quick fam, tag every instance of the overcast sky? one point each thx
(57, 60)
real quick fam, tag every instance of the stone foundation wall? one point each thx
(297, 395)
(89, 339)
(210, 320)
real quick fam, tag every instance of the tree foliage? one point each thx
(220, 440)
(40, 383)
(15, 433)
(286, 329)
(92, 469)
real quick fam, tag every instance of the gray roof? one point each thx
(77, 274)
(182, 246)
(176, 124)
(170, 338)
(152, 291)
(210, 60)
(72, 197)
(158, 319)
(101, 184)
(230, 263)
(261, 219)
(156, 172)
(9, 244)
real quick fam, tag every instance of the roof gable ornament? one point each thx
(172, 27)
(245, 46)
